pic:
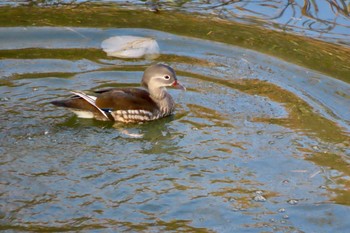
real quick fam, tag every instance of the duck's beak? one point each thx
(177, 85)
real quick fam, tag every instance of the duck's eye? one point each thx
(167, 77)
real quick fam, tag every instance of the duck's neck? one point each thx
(157, 93)
(163, 99)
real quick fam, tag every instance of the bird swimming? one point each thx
(129, 105)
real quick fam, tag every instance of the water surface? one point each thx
(240, 154)
(327, 20)
(256, 144)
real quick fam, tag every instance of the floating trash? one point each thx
(131, 47)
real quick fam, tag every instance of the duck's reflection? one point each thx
(156, 136)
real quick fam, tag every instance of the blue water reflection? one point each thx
(326, 20)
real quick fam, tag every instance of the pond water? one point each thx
(326, 20)
(256, 144)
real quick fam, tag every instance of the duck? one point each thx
(128, 105)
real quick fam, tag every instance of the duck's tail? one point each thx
(81, 102)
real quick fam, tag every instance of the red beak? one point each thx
(177, 85)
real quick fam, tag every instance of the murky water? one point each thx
(256, 144)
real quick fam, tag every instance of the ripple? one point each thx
(233, 133)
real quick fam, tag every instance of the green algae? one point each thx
(39, 53)
(301, 116)
(335, 162)
(321, 56)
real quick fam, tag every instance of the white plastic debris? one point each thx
(131, 47)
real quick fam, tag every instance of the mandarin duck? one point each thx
(129, 105)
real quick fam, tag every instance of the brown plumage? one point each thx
(129, 104)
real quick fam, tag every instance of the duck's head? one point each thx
(160, 76)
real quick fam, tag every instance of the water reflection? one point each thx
(321, 19)
(239, 134)
(327, 20)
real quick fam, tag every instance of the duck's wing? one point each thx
(126, 99)
(91, 100)
(80, 103)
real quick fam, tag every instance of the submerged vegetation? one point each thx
(325, 57)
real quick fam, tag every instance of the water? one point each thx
(256, 144)
(325, 20)
(226, 161)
